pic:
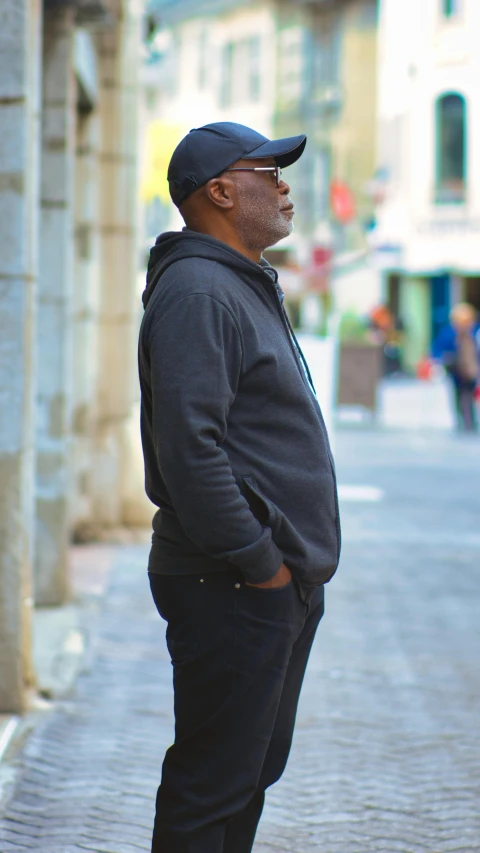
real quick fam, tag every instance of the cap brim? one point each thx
(284, 151)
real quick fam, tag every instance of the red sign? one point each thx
(318, 273)
(342, 202)
(321, 255)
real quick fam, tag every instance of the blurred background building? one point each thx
(283, 68)
(428, 179)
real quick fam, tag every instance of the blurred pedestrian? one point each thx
(238, 461)
(388, 331)
(458, 347)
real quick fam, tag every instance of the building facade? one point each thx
(283, 68)
(326, 87)
(68, 315)
(209, 62)
(428, 218)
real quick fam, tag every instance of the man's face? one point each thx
(263, 212)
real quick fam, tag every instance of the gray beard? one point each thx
(257, 227)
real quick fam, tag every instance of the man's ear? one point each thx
(220, 191)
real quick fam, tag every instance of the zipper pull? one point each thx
(279, 292)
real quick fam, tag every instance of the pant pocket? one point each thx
(268, 590)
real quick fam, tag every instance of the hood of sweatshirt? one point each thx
(173, 246)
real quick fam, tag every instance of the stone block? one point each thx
(13, 24)
(51, 547)
(118, 192)
(109, 136)
(116, 346)
(108, 67)
(119, 131)
(15, 601)
(13, 139)
(87, 174)
(15, 372)
(13, 249)
(52, 470)
(58, 78)
(57, 175)
(86, 297)
(52, 340)
(118, 262)
(137, 510)
(106, 470)
(85, 358)
(56, 243)
(56, 122)
(129, 122)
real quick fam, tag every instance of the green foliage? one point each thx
(353, 327)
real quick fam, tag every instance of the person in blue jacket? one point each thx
(458, 348)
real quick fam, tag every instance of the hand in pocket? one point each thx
(282, 578)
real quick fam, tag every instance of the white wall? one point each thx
(357, 289)
(423, 55)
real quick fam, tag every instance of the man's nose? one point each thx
(283, 187)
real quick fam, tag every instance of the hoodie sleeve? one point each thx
(195, 358)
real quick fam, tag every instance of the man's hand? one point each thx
(282, 578)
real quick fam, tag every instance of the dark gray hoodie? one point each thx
(236, 452)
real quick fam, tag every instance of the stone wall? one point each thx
(20, 38)
(68, 304)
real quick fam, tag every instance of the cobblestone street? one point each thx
(386, 757)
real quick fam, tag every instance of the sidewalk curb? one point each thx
(64, 648)
(6, 736)
(56, 683)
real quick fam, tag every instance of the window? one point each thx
(327, 52)
(451, 7)
(451, 121)
(254, 68)
(203, 59)
(226, 75)
(291, 63)
(171, 64)
(241, 72)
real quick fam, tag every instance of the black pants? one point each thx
(239, 656)
(465, 403)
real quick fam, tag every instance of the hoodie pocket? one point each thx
(262, 508)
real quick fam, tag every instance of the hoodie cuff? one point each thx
(259, 562)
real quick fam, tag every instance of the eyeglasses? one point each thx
(275, 171)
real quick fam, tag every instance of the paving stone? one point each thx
(386, 756)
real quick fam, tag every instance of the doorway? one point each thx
(472, 291)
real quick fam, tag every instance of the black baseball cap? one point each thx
(207, 151)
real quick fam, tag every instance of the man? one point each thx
(458, 347)
(238, 461)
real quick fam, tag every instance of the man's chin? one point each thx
(285, 232)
